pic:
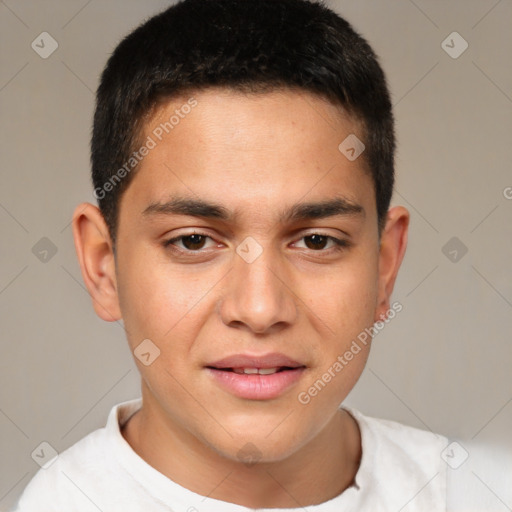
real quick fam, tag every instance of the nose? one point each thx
(259, 295)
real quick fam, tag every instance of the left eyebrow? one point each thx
(297, 212)
(322, 210)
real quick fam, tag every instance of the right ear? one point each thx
(95, 253)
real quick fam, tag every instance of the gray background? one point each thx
(442, 364)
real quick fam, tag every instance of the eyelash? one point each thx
(340, 244)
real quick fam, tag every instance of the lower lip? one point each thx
(256, 386)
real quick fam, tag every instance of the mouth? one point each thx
(256, 378)
(254, 371)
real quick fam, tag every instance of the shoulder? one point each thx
(402, 439)
(56, 483)
(402, 463)
(89, 463)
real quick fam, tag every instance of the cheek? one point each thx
(158, 301)
(345, 303)
(343, 300)
(145, 297)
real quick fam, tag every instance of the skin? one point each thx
(256, 155)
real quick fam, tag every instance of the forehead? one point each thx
(250, 152)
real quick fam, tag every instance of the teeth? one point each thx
(267, 371)
(252, 371)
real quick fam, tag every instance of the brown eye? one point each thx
(192, 243)
(316, 241)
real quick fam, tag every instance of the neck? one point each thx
(319, 471)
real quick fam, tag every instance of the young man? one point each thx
(242, 156)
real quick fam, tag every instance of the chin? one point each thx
(255, 447)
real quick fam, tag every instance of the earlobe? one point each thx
(96, 257)
(392, 250)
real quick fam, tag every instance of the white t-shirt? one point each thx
(401, 469)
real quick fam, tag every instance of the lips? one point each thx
(274, 360)
(256, 377)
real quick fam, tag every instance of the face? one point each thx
(248, 254)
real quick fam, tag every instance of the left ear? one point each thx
(392, 249)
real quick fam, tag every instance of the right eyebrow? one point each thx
(190, 207)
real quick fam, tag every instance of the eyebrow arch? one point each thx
(297, 212)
